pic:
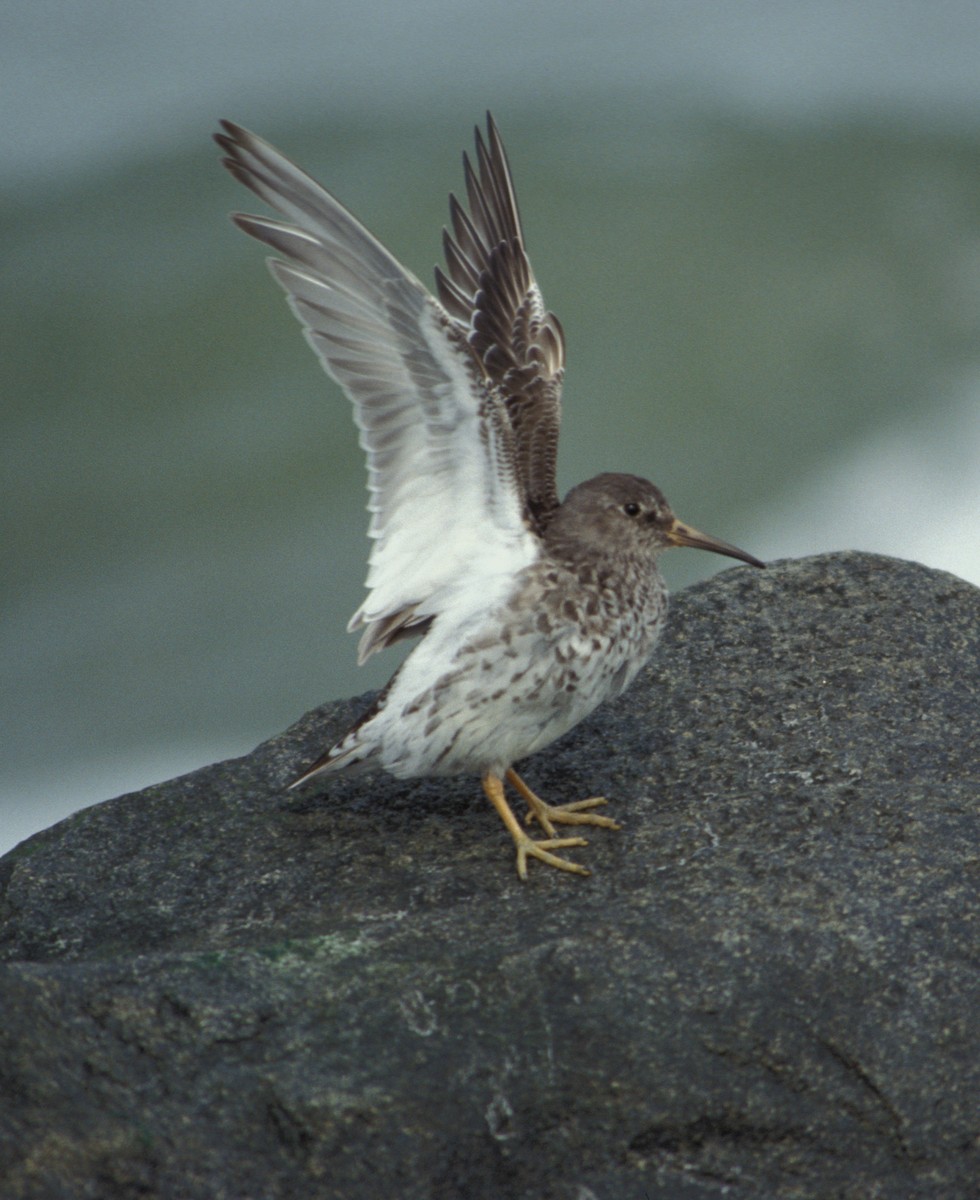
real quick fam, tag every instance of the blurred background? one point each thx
(759, 223)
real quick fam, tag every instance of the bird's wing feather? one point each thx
(488, 286)
(445, 495)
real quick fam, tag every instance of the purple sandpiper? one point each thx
(530, 611)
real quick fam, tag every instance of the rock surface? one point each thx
(768, 988)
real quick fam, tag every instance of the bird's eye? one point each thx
(631, 508)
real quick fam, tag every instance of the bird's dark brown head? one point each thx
(624, 514)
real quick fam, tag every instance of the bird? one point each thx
(529, 611)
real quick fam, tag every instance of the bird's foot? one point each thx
(542, 850)
(550, 815)
(527, 846)
(576, 813)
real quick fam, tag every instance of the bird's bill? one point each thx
(680, 534)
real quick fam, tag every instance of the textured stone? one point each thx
(769, 987)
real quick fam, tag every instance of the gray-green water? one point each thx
(772, 314)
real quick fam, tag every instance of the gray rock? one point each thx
(768, 988)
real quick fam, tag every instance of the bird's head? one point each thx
(624, 514)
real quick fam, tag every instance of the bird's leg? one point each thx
(549, 815)
(493, 786)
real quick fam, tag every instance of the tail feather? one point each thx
(352, 750)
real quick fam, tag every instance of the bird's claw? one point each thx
(541, 850)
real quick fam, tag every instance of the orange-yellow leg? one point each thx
(549, 815)
(493, 786)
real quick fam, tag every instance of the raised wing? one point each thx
(445, 498)
(490, 289)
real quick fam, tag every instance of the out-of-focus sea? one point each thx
(759, 224)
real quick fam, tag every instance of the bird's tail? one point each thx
(351, 753)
